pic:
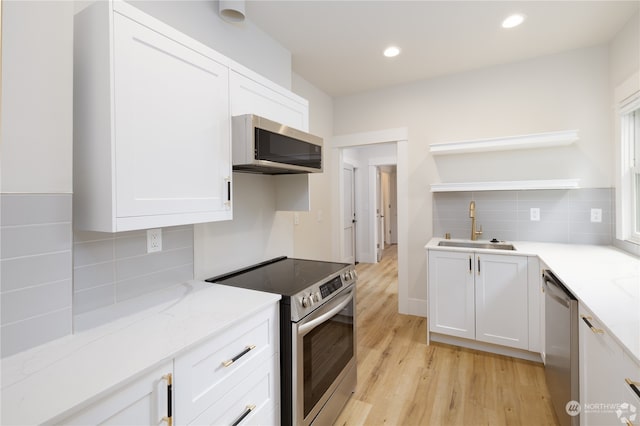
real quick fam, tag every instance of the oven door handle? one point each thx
(307, 327)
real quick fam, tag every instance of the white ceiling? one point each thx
(337, 45)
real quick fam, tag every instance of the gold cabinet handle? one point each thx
(635, 386)
(237, 357)
(244, 414)
(587, 320)
(169, 417)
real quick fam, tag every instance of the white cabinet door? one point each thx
(630, 381)
(172, 125)
(142, 402)
(501, 300)
(600, 382)
(451, 294)
(249, 96)
(152, 144)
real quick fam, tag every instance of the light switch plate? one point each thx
(534, 214)
(596, 215)
(154, 240)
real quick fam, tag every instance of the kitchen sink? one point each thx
(477, 245)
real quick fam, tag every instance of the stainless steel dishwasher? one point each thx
(561, 347)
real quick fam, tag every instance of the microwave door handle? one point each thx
(307, 327)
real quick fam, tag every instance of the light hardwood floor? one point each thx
(402, 381)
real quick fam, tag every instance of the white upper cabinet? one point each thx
(252, 94)
(151, 124)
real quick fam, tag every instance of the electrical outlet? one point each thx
(154, 240)
(596, 215)
(296, 218)
(534, 214)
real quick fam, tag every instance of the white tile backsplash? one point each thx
(505, 215)
(22, 335)
(36, 274)
(49, 274)
(112, 268)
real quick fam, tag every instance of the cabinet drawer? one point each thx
(253, 400)
(205, 375)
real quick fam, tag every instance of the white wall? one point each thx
(566, 91)
(37, 83)
(256, 233)
(624, 51)
(313, 236)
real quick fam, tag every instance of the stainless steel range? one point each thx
(317, 333)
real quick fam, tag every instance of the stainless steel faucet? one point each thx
(472, 215)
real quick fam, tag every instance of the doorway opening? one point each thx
(375, 165)
(386, 148)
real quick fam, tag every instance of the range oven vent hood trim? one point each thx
(244, 146)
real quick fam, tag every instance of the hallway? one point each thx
(402, 381)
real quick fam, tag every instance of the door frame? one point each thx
(401, 137)
(346, 256)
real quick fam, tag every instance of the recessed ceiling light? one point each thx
(513, 21)
(391, 51)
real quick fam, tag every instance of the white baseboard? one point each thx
(485, 347)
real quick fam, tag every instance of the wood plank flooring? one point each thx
(402, 381)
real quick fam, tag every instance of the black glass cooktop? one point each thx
(285, 276)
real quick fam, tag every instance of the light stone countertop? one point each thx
(603, 278)
(46, 383)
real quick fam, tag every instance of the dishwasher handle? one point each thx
(556, 290)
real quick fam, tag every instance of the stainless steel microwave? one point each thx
(264, 146)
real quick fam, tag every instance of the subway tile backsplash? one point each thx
(49, 274)
(505, 215)
(111, 268)
(36, 270)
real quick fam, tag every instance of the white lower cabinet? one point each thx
(479, 296)
(608, 377)
(234, 370)
(631, 393)
(231, 378)
(144, 401)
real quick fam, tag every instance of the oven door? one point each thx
(325, 354)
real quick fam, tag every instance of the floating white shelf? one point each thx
(537, 140)
(516, 185)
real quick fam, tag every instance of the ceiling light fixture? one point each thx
(231, 10)
(513, 21)
(391, 51)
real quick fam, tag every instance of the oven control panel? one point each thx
(309, 299)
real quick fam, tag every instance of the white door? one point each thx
(451, 295)
(502, 300)
(349, 214)
(172, 126)
(393, 207)
(379, 216)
